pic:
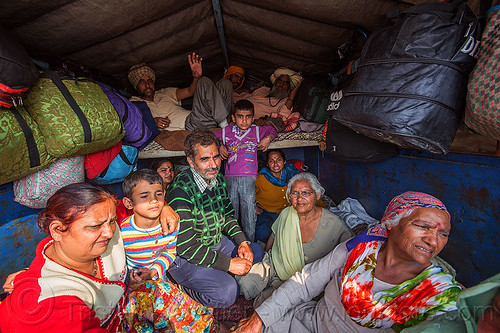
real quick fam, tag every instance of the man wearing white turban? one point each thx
(211, 103)
(277, 101)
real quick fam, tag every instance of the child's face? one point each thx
(243, 119)
(147, 200)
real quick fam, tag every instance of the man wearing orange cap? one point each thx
(236, 75)
(211, 103)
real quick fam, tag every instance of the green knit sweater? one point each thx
(204, 217)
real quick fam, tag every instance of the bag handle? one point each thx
(72, 103)
(33, 152)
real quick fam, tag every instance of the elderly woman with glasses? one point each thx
(382, 280)
(301, 234)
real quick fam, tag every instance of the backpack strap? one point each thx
(125, 158)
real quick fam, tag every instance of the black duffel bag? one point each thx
(344, 143)
(410, 85)
(17, 71)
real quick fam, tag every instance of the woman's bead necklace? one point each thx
(94, 269)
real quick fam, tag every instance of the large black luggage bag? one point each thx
(17, 71)
(410, 85)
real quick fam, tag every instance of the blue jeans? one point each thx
(241, 192)
(263, 226)
(211, 287)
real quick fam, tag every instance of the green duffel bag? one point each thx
(74, 115)
(22, 147)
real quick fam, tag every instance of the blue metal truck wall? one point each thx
(19, 233)
(469, 186)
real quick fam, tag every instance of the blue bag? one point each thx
(120, 167)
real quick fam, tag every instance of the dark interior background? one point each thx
(104, 38)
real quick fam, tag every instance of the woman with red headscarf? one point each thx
(382, 279)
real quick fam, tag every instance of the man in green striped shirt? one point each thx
(210, 243)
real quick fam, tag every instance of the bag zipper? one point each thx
(408, 96)
(412, 60)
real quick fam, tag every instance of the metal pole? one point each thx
(220, 30)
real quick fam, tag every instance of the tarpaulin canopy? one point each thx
(315, 37)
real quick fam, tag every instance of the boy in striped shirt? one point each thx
(149, 252)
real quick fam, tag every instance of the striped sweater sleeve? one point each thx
(167, 256)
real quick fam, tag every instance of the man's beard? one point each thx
(149, 93)
(202, 173)
(278, 93)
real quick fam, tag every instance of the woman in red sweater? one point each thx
(78, 279)
(76, 282)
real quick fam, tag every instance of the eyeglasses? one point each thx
(305, 194)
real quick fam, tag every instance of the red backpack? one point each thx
(299, 164)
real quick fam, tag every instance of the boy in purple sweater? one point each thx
(240, 144)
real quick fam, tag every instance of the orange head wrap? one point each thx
(235, 69)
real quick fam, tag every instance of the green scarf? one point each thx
(287, 253)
